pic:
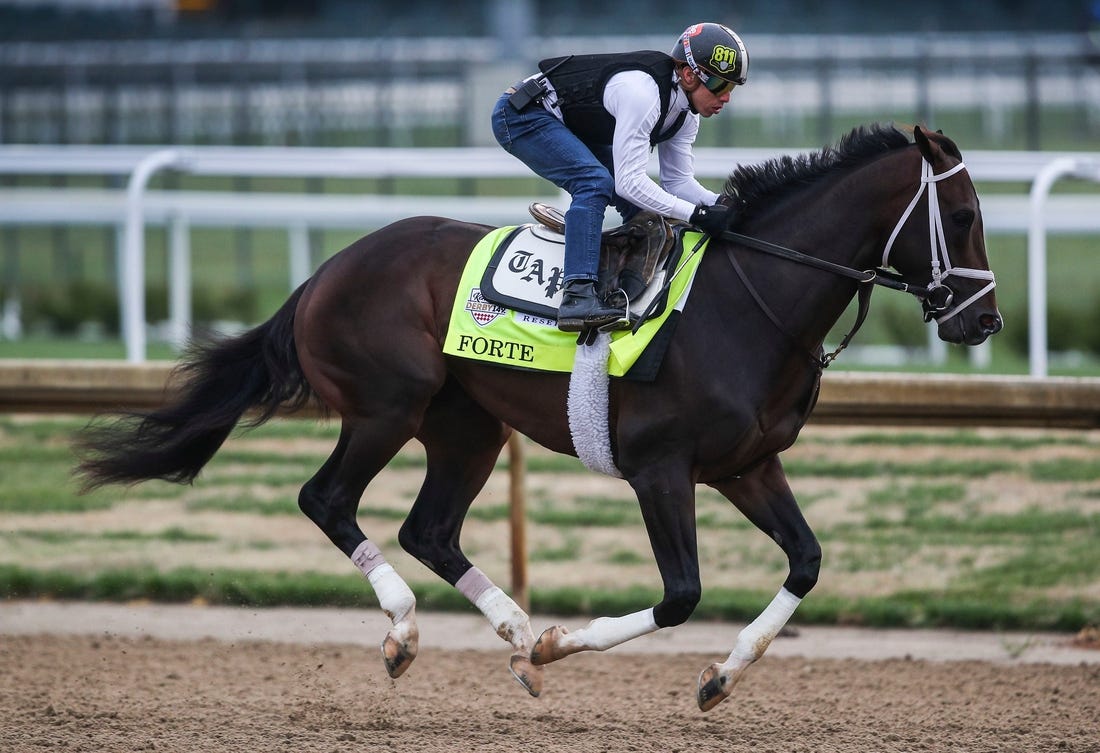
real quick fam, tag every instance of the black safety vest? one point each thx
(579, 81)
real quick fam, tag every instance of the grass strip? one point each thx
(799, 468)
(962, 609)
(958, 438)
(173, 534)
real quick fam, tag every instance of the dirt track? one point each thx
(150, 677)
(77, 688)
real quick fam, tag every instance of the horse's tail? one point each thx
(220, 381)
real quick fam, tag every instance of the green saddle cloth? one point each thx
(483, 331)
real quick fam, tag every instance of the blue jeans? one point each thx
(552, 151)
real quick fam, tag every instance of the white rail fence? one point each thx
(131, 210)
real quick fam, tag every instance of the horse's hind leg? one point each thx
(765, 498)
(462, 442)
(331, 498)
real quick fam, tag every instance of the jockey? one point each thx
(587, 123)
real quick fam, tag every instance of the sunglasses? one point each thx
(716, 86)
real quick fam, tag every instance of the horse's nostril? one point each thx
(990, 323)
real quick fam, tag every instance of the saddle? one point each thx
(506, 303)
(630, 254)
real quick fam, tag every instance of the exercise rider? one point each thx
(587, 123)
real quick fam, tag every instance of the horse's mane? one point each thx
(771, 180)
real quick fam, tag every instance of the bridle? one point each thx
(938, 296)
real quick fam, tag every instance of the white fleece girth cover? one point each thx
(587, 408)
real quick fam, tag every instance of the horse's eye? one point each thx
(964, 218)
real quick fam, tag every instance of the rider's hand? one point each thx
(712, 220)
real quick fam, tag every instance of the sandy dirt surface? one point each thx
(79, 677)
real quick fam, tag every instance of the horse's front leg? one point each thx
(765, 498)
(667, 501)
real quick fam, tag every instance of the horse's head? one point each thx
(945, 257)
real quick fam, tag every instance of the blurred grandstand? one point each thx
(993, 74)
(115, 19)
(351, 72)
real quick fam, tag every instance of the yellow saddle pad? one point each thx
(484, 331)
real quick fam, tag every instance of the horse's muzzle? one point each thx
(990, 324)
(971, 330)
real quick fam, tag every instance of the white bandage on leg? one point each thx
(394, 595)
(605, 632)
(509, 621)
(755, 638)
(718, 680)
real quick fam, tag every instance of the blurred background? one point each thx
(134, 75)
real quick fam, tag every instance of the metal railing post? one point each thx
(179, 281)
(1037, 253)
(132, 264)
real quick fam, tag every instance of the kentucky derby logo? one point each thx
(481, 310)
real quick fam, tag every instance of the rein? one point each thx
(879, 276)
(867, 279)
(935, 298)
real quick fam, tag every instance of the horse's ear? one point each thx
(923, 143)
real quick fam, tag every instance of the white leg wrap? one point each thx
(509, 621)
(755, 638)
(394, 595)
(604, 632)
(717, 681)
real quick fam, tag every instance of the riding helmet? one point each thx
(715, 49)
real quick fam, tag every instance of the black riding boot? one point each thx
(581, 307)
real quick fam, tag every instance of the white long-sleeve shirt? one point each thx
(633, 98)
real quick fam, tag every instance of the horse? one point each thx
(363, 337)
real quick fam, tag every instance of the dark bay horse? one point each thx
(364, 338)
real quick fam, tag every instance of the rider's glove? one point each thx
(712, 220)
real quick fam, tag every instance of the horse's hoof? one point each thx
(714, 687)
(547, 647)
(398, 654)
(526, 673)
